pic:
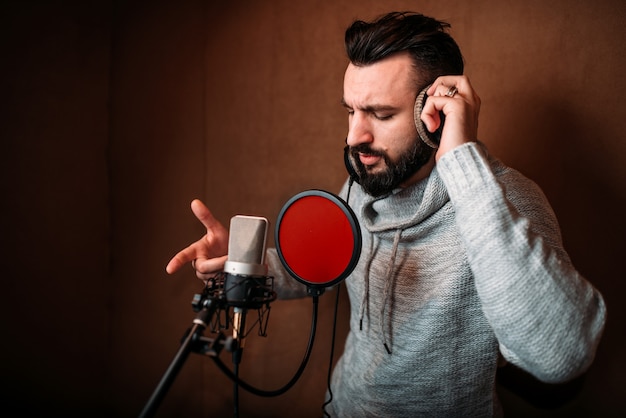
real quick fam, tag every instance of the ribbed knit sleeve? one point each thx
(547, 318)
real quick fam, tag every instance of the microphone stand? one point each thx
(193, 341)
(214, 298)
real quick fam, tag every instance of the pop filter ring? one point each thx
(352, 222)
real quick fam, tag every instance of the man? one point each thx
(462, 265)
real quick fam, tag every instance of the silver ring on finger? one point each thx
(452, 90)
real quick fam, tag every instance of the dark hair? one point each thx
(432, 49)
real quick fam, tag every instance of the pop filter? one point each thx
(318, 238)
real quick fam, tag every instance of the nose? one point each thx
(359, 130)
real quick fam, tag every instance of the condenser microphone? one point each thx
(246, 283)
(246, 246)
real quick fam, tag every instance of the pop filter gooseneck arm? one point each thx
(318, 240)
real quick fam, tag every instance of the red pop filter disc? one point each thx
(318, 238)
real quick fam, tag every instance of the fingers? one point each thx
(214, 244)
(203, 214)
(208, 268)
(205, 267)
(443, 84)
(185, 256)
(216, 238)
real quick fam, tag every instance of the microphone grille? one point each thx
(248, 235)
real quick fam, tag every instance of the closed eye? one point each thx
(379, 112)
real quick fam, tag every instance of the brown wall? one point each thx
(56, 280)
(115, 115)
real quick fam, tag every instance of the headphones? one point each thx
(431, 139)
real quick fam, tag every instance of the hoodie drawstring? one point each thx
(366, 285)
(388, 283)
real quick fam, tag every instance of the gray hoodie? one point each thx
(456, 272)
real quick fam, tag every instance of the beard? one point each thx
(395, 173)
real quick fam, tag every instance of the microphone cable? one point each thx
(269, 393)
(334, 333)
(236, 390)
(332, 353)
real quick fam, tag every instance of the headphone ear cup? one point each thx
(432, 139)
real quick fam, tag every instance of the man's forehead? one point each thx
(391, 77)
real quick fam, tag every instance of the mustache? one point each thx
(365, 149)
